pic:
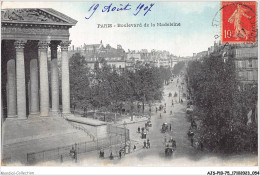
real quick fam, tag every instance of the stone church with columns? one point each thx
(30, 85)
(35, 90)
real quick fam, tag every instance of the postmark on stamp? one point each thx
(238, 22)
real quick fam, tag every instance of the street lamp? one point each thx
(125, 135)
(179, 94)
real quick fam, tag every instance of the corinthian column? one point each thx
(65, 77)
(20, 80)
(11, 91)
(44, 82)
(34, 87)
(54, 78)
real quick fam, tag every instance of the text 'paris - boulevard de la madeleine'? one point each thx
(128, 25)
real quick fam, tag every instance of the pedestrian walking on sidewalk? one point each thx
(144, 144)
(120, 154)
(148, 143)
(191, 140)
(74, 107)
(201, 146)
(100, 154)
(160, 115)
(134, 148)
(85, 111)
(111, 157)
(170, 127)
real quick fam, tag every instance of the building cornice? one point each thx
(36, 16)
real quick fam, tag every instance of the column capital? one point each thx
(19, 44)
(65, 44)
(53, 46)
(43, 44)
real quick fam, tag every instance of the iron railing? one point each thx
(64, 153)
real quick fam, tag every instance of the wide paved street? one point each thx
(178, 122)
(184, 155)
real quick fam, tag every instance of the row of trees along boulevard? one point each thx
(108, 89)
(222, 105)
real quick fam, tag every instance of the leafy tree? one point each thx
(178, 67)
(101, 91)
(110, 89)
(148, 84)
(165, 74)
(79, 82)
(213, 86)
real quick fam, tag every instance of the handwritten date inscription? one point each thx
(141, 8)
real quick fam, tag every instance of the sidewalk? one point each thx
(87, 121)
(136, 119)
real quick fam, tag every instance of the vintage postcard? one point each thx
(130, 83)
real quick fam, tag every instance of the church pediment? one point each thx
(36, 16)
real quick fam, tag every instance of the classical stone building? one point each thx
(26, 36)
(246, 59)
(98, 53)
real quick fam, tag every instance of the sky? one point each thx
(195, 34)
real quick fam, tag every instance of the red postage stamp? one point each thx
(239, 21)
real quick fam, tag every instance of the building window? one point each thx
(239, 64)
(250, 63)
(244, 64)
(241, 75)
(256, 75)
(250, 75)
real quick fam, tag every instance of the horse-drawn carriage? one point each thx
(168, 151)
(143, 135)
(148, 123)
(189, 109)
(170, 147)
(165, 128)
(102, 153)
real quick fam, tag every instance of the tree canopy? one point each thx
(223, 106)
(110, 88)
(178, 67)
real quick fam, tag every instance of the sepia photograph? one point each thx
(114, 84)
